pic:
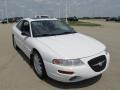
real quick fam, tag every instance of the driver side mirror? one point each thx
(25, 34)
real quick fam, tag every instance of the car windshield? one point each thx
(50, 28)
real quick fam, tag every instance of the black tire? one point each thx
(13, 41)
(41, 75)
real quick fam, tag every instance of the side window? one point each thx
(19, 25)
(25, 27)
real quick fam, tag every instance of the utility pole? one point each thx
(32, 13)
(58, 5)
(66, 11)
(23, 12)
(59, 12)
(5, 6)
(1, 14)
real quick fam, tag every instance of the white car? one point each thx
(57, 51)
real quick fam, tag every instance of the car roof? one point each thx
(40, 19)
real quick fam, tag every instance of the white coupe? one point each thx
(57, 51)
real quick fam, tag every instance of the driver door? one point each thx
(25, 39)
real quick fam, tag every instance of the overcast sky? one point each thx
(78, 8)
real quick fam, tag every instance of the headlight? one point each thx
(68, 62)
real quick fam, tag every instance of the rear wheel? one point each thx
(38, 65)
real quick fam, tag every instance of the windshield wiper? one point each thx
(50, 34)
(66, 33)
(43, 35)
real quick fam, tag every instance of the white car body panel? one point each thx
(85, 72)
(73, 45)
(69, 46)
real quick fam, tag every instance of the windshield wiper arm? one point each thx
(43, 35)
(67, 33)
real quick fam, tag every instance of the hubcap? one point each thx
(37, 64)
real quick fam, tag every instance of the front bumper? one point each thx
(80, 72)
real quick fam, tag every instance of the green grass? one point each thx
(81, 23)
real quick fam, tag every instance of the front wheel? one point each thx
(38, 65)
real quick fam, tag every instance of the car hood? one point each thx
(72, 46)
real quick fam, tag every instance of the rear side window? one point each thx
(19, 25)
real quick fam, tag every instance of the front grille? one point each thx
(98, 63)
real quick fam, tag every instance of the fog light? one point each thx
(75, 78)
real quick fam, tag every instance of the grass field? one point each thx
(81, 23)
